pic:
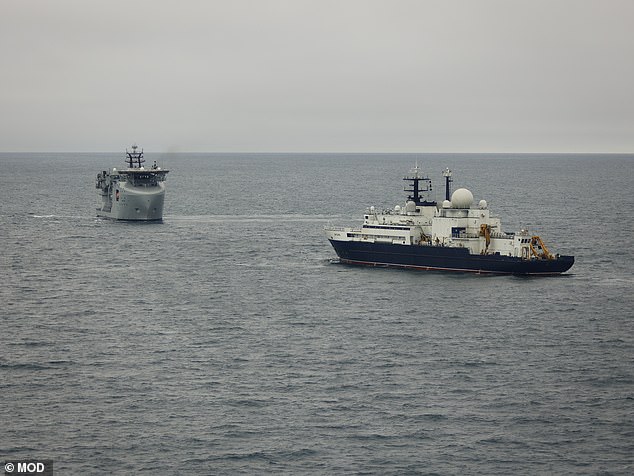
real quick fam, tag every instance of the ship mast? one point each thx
(447, 174)
(417, 189)
(134, 158)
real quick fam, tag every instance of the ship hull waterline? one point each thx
(439, 258)
(109, 216)
(136, 204)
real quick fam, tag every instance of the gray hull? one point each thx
(135, 203)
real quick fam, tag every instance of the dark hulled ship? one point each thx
(456, 235)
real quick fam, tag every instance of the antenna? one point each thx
(134, 156)
(419, 191)
(447, 174)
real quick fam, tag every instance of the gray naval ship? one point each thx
(134, 193)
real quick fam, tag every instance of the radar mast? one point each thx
(134, 158)
(419, 192)
(447, 174)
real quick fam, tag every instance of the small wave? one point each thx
(615, 281)
(60, 362)
(433, 417)
(24, 366)
(30, 343)
(255, 455)
(270, 456)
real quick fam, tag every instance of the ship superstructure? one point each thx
(134, 193)
(453, 236)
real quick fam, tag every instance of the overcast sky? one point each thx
(317, 75)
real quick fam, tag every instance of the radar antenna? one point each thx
(418, 190)
(134, 157)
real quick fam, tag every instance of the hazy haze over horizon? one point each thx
(317, 76)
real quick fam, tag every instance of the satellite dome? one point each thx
(446, 204)
(410, 207)
(397, 208)
(461, 198)
(483, 204)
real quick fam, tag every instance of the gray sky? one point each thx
(317, 75)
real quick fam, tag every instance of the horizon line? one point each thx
(311, 152)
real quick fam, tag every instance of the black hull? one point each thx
(442, 258)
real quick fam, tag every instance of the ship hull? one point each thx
(136, 204)
(440, 258)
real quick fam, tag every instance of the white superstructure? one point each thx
(455, 223)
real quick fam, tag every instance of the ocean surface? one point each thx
(228, 340)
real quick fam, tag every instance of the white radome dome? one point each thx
(461, 198)
(446, 204)
(410, 207)
(483, 204)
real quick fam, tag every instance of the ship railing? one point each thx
(465, 235)
(504, 236)
(342, 228)
(477, 235)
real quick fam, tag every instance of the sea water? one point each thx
(228, 339)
